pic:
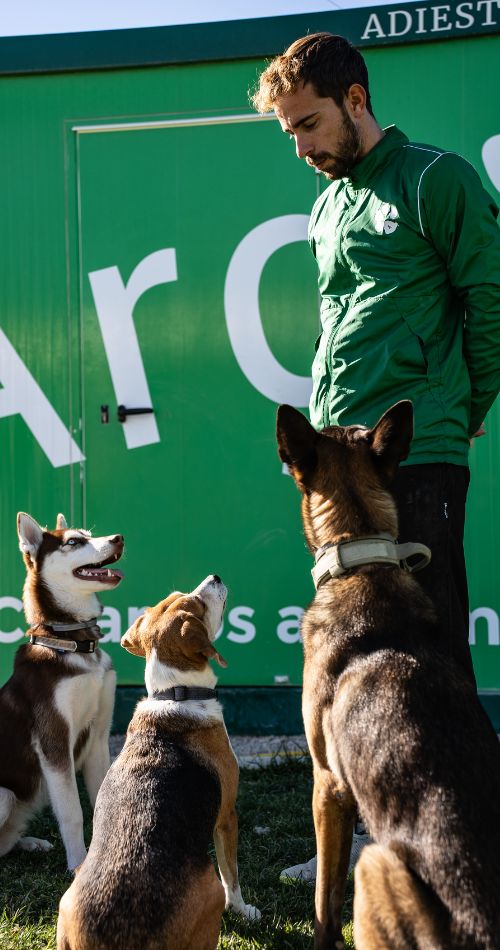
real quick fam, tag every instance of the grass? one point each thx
(276, 798)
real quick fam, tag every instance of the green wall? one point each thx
(222, 315)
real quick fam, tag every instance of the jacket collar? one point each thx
(368, 168)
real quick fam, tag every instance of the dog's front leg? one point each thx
(97, 760)
(65, 802)
(334, 814)
(226, 839)
(226, 849)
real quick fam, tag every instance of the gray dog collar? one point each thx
(333, 560)
(66, 645)
(181, 694)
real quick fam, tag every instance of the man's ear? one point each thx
(195, 640)
(61, 523)
(30, 535)
(355, 101)
(131, 640)
(297, 443)
(390, 438)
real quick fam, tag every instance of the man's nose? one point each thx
(303, 146)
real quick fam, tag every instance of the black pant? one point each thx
(431, 506)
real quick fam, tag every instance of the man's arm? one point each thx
(460, 219)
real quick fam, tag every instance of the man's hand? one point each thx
(480, 431)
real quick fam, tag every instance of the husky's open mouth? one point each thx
(99, 571)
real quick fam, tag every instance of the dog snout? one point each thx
(209, 583)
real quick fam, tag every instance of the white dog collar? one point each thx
(333, 560)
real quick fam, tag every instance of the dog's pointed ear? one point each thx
(297, 442)
(30, 535)
(390, 438)
(131, 640)
(195, 640)
(61, 523)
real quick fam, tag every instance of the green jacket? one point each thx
(408, 250)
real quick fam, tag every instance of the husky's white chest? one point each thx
(77, 698)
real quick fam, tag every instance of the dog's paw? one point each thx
(247, 910)
(34, 844)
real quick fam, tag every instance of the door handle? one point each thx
(123, 412)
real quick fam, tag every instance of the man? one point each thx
(408, 251)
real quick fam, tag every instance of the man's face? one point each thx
(324, 134)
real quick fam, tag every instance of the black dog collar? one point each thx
(57, 642)
(180, 694)
(66, 646)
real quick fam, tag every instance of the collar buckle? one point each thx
(180, 693)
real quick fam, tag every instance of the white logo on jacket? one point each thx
(385, 219)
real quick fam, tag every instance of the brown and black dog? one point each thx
(147, 882)
(393, 727)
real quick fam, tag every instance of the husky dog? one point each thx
(56, 709)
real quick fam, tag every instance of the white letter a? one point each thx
(22, 395)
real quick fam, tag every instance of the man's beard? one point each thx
(348, 151)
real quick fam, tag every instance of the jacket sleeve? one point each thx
(459, 217)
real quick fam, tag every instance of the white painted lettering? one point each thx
(115, 304)
(11, 603)
(490, 154)
(288, 631)
(373, 26)
(420, 19)
(492, 625)
(21, 395)
(489, 4)
(133, 613)
(110, 621)
(241, 302)
(394, 17)
(461, 12)
(440, 15)
(237, 617)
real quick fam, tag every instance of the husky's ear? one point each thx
(30, 535)
(195, 641)
(61, 523)
(131, 640)
(390, 438)
(297, 442)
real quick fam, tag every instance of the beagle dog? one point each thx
(147, 881)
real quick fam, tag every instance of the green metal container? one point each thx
(154, 256)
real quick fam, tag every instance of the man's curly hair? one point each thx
(330, 63)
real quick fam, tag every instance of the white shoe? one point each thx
(300, 872)
(358, 843)
(307, 872)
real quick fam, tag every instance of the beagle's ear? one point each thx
(30, 535)
(195, 641)
(61, 523)
(131, 640)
